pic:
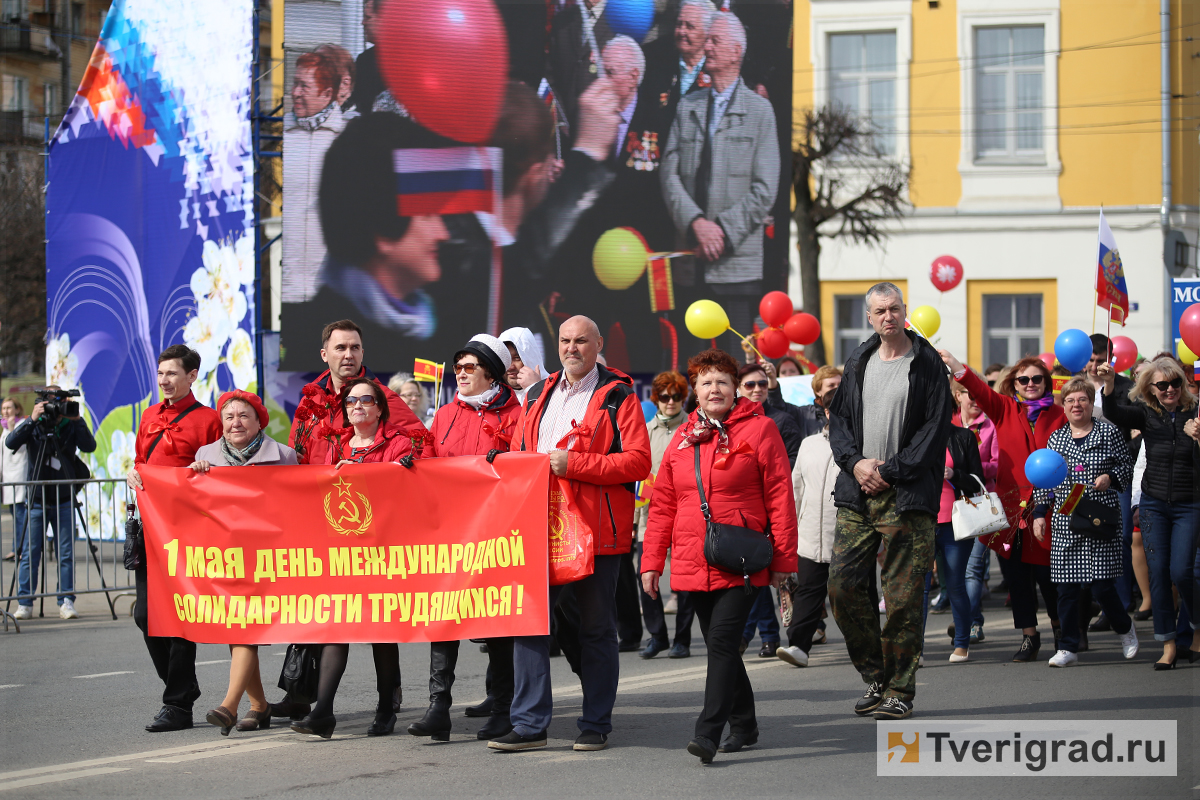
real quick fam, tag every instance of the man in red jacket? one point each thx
(589, 421)
(318, 415)
(169, 434)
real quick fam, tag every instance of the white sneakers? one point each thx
(792, 655)
(957, 659)
(24, 612)
(1129, 642)
(1063, 658)
(67, 610)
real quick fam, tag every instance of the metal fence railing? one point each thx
(73, 530)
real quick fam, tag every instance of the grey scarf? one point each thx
(238, 458)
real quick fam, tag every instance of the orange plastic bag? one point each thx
(572, 554)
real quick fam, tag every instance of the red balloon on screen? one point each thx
(447, 62)
(1049, 360)
(946, 273)
(773, 343)
(802, 328)
(1189, 327)
(1124, 353)
(775, 308)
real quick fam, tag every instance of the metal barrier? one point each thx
(92, 512)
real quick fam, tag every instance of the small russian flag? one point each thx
(450, 180)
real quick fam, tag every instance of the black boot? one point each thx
(443, 656)
(498, 725)
(1030, 645)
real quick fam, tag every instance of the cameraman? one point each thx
(51, 435)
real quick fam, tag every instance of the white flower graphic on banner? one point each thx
(220, 280)
(102, 510)
(221, 289)
(62, 366)
(122, 453)
(239, 357)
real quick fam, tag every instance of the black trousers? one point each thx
(656, 621)
(1070, 602)
(629, 615)
(728, 696)
(808, 602)
(1023, 583)
(443, 659)
(174, 659)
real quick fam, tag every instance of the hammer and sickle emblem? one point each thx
(350, 512)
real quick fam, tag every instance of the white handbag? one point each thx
(978, 515)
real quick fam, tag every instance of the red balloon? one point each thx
(447, 62)
(802, 328)
(946, 273)
(1124, 353)
(773, 343)
(1189, 327)
(775, 308)
(1049, 360)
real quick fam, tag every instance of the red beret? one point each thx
(251, 399)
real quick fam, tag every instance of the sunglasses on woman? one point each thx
(1162, 386)
(365, 400)
(1036, 380)
(755, 384)
(670, 398)
(467, 368)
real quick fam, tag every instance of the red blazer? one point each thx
(180, 439)
(603, 466)
(319, 413)
(461, 430)
(754, 489)
(1017, 441)
(392, 443)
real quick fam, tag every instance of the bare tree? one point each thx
(22, 260)
(846, 186)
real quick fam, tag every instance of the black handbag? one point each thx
(1093, 519)
(730, 548)
(301, 669)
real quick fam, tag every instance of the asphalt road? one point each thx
(75, 695)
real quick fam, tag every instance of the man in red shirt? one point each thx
(169, 434)
(317, 417)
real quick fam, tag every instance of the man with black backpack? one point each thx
(169, 434)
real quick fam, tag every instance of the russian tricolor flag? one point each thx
(450, 180)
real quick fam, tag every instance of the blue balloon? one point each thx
(1045, 469)
(649, 409)
(632, 18)
(1073, 348)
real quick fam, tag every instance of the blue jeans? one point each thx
(1169, 537)
(20, 521)
(62, 517)
(762, 616)
(977, 569)
(956, 555)
(533, 703)
(1125, 582)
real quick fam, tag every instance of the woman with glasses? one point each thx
(481, 419)
(667, 392)
(1022, 409)
(369, 439)
(1169, 511)
(1098, 469)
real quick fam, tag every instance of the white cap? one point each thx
(496, 346)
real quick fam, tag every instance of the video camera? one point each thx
(56, 405)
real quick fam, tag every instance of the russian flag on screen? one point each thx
(451, 180)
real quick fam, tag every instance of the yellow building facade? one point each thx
(1017, 121)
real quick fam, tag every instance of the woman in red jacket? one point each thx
(481, 419)
(1023, 411)
(368, 440)
(747, 483)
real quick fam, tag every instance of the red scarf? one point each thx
(704, 430)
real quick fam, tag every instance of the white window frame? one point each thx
(1017, 184)
(863, 332)
(862, 79)
(1013, 333)
(865, 16)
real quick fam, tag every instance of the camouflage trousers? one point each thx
(888, 656)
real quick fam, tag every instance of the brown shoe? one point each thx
(222, 718)
(255, 720)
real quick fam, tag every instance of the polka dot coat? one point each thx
(1074, 558)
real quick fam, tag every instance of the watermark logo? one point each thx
(1027, 747)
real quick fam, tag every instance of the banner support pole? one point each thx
(256, 133)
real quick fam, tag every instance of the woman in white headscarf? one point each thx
(526, 368)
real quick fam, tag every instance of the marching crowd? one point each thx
(809, 501)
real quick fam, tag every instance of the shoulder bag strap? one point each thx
(700, 486)
(158, 438)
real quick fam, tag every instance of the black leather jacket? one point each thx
(1172, 457)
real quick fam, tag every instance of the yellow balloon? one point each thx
(706, 319)
(619, 258)
(926, 320)
(1185, 353)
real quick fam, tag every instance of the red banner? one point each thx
(453, 548)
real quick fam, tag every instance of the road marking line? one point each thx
(104, 674)
(231, 750)
(70, 776)
(93, 762)
(218, 661)
(12, 686)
